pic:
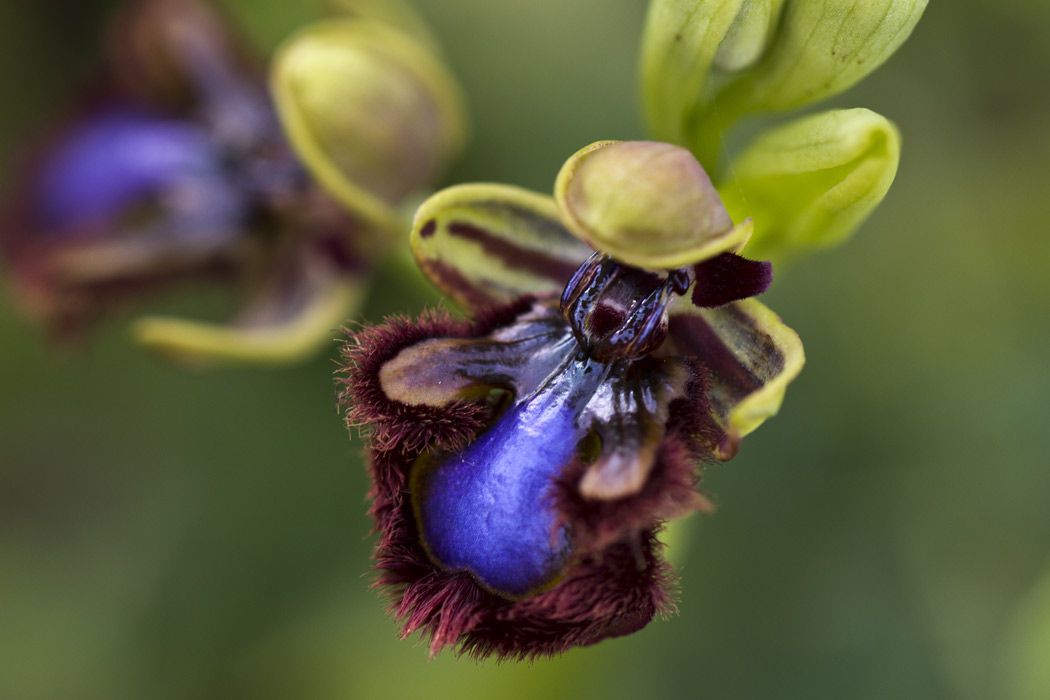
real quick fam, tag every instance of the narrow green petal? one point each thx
(752, 357)
(811, 183)
(281, 341)
(372, 113)
(488, 244)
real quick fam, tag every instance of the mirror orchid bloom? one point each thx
(524, 460)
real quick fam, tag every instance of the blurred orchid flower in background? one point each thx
(808, 184)
(178, 168)
(524, 461)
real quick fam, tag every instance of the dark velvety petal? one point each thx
(751, 357)
(489, 244)
(729, 277)
(393, 424)
(669, 492)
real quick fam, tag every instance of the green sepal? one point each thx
(752, 356)
(370, 111)
(645, 203)
(810, 183)
(484, 244)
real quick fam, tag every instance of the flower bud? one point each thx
(824, 47)
(647, 204)
(811, 183)
(708, 62)
(371, 113)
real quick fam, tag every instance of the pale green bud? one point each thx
(810, 183)
(645, 203)
(705, 63)
(372, 114)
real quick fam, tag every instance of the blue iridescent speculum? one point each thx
(489, 509)
(116, 159)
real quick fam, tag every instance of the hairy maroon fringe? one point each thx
(605, 594)
(609, 594)
(392, 425)
(669, 492)
(399, 432)
(413, 428)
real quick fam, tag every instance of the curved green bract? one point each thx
(372, 114)
(279, 341)
(811, 183)
(752, 357)
(485, 244)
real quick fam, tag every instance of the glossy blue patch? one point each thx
(487, 509)
(116, 160)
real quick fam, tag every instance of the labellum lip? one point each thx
(489, 508)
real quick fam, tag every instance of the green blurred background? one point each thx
(173, 535)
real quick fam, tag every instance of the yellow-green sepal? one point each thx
(645, 203)
(485, 244)
(370, 111)
(810, 183)
(752, 356)
(273, 341)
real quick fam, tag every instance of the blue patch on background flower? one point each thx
(117, 160)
